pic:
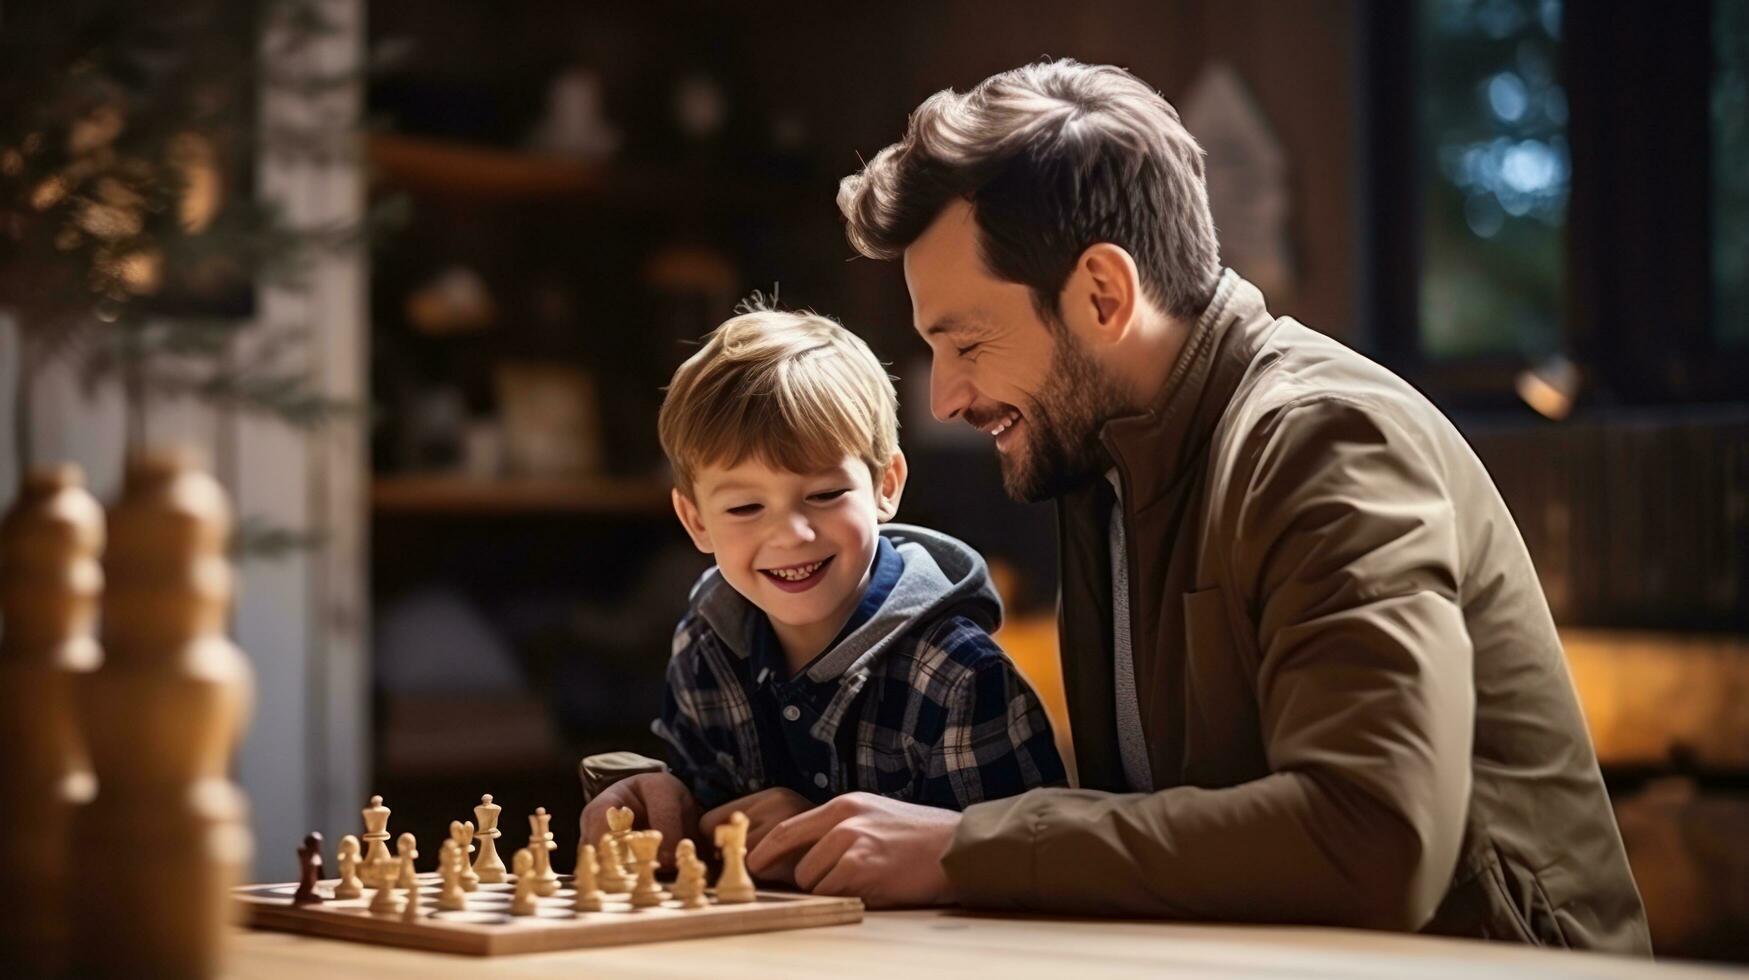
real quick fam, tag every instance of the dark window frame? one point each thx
(1638, 303)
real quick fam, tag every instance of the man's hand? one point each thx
(882, 851)
(657, 801)
(765, 810)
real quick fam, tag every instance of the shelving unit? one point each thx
(438, 494)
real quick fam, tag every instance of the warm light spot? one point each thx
(48, 193)
(1550, 388)
(110, 222)
(95, 131)
(140, 272)
(202, 191)
(11, 163)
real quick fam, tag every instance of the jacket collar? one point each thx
(1152, 449)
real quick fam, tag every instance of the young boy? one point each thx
(826, 652)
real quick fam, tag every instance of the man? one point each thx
(1311, 674)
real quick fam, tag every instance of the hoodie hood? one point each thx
(942, 577)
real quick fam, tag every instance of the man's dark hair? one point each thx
(1054, 157)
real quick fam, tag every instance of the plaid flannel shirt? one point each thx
(939, 717)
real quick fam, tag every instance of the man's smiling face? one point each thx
(997, 365)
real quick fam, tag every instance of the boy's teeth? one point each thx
(798, 573)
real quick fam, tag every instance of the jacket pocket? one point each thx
(1496, 898)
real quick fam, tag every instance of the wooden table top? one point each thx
(950, 942)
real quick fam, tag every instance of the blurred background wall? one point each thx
(1537, 211)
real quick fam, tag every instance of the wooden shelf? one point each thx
(446, 168)
(451, 494)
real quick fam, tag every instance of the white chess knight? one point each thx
(462, 832)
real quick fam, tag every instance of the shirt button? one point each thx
(791, 712)
(820, 780)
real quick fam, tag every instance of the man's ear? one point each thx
(892, 487)
(687, 511)
(1101, 297)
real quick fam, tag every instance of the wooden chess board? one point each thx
(486, 927)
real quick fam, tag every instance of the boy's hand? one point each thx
(765, 810)
(885, 852)
(657, 800)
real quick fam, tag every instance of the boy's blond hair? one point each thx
(792, 389)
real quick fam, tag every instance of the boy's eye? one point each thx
(744, 510)
(829, 495)
(968, 349)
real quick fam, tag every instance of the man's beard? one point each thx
(1062, 448)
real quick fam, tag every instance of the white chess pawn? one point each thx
(689, 884)
(523, 902)
(589, 897)
(488, 866)
(462, 832)
(384, 901)
(351, 885)
(415, 899)
(450, 862)
(613, 879)
(406, 853)
(734, 886)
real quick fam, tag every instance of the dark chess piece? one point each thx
(309, 870)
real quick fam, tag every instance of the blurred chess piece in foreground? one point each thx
(159, 847)
(50, 584)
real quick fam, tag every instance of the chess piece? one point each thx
(540, 843)
(309, 870)
(619, 824)
(451, 859)
(166, 836)
(406, 852)
(589, 897)
(612, 877)
(488, 866)
(523, 902)
(350, 885)
(384, 901)
(733, 885)
(415, 902)
(376, 836)
(462, 832)
(689, 883)
(50, 584)
(646, 892)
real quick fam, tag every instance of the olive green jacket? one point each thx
(1355, 703)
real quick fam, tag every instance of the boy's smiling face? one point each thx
(797, 545)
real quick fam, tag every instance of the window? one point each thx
(1555, 185)
(1730, 125)
(1493, 127)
